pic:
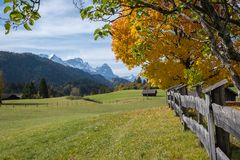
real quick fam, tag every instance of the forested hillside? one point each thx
(26, 67)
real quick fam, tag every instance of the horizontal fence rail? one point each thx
(220, 121)
(199, 130)
(221, 155)
(195, 103)
(228, 119)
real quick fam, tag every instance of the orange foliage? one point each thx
(161, 45)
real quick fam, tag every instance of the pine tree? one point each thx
(139, 80)
(32, 89)
(29, 90)
(43, 89)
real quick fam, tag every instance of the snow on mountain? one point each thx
(80, 64)
(130, 78)
(56, 59)
(106, 71)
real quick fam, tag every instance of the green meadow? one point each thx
(124, 126)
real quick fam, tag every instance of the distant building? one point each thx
(11, 96)
(149, 92)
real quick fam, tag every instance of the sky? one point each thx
(61, 31)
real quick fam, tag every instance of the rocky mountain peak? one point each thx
(104, 70)
(56, 59)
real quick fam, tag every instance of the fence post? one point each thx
(167, 98)
(212, 147)
(171, 95)
(199, 116)
(171, 98)
(183, 91)
(216, 93)
(222, 137)
(175, 100)
(199, 94)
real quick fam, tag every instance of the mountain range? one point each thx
(25, 67)
(130, 78)
(104, 70)
(19, 69)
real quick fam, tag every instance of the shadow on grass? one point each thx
(84, 98)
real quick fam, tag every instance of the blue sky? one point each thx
(61, 31)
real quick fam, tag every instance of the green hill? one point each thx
(125, 126)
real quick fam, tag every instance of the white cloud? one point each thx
(62, 32)
(58, 17)
(56, 8)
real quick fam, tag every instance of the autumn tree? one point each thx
(170, 57)
(217, 22)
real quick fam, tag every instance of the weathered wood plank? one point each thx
(216, 85)
(199, 115)
(221, 155)
(192, 93)
(178, 86)
(198, 84)
(222, 137)
(177, 108)
(211, 126)
(199, 130)
(173, 87)
(201, 106)
(227, 118)
(193, 102)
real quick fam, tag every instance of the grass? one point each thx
(124, 126)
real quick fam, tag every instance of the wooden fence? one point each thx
(213, 121)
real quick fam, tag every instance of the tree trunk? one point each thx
(221, 28)
(233, 73)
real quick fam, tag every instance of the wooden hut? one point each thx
(149, 92)
(10, 96)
